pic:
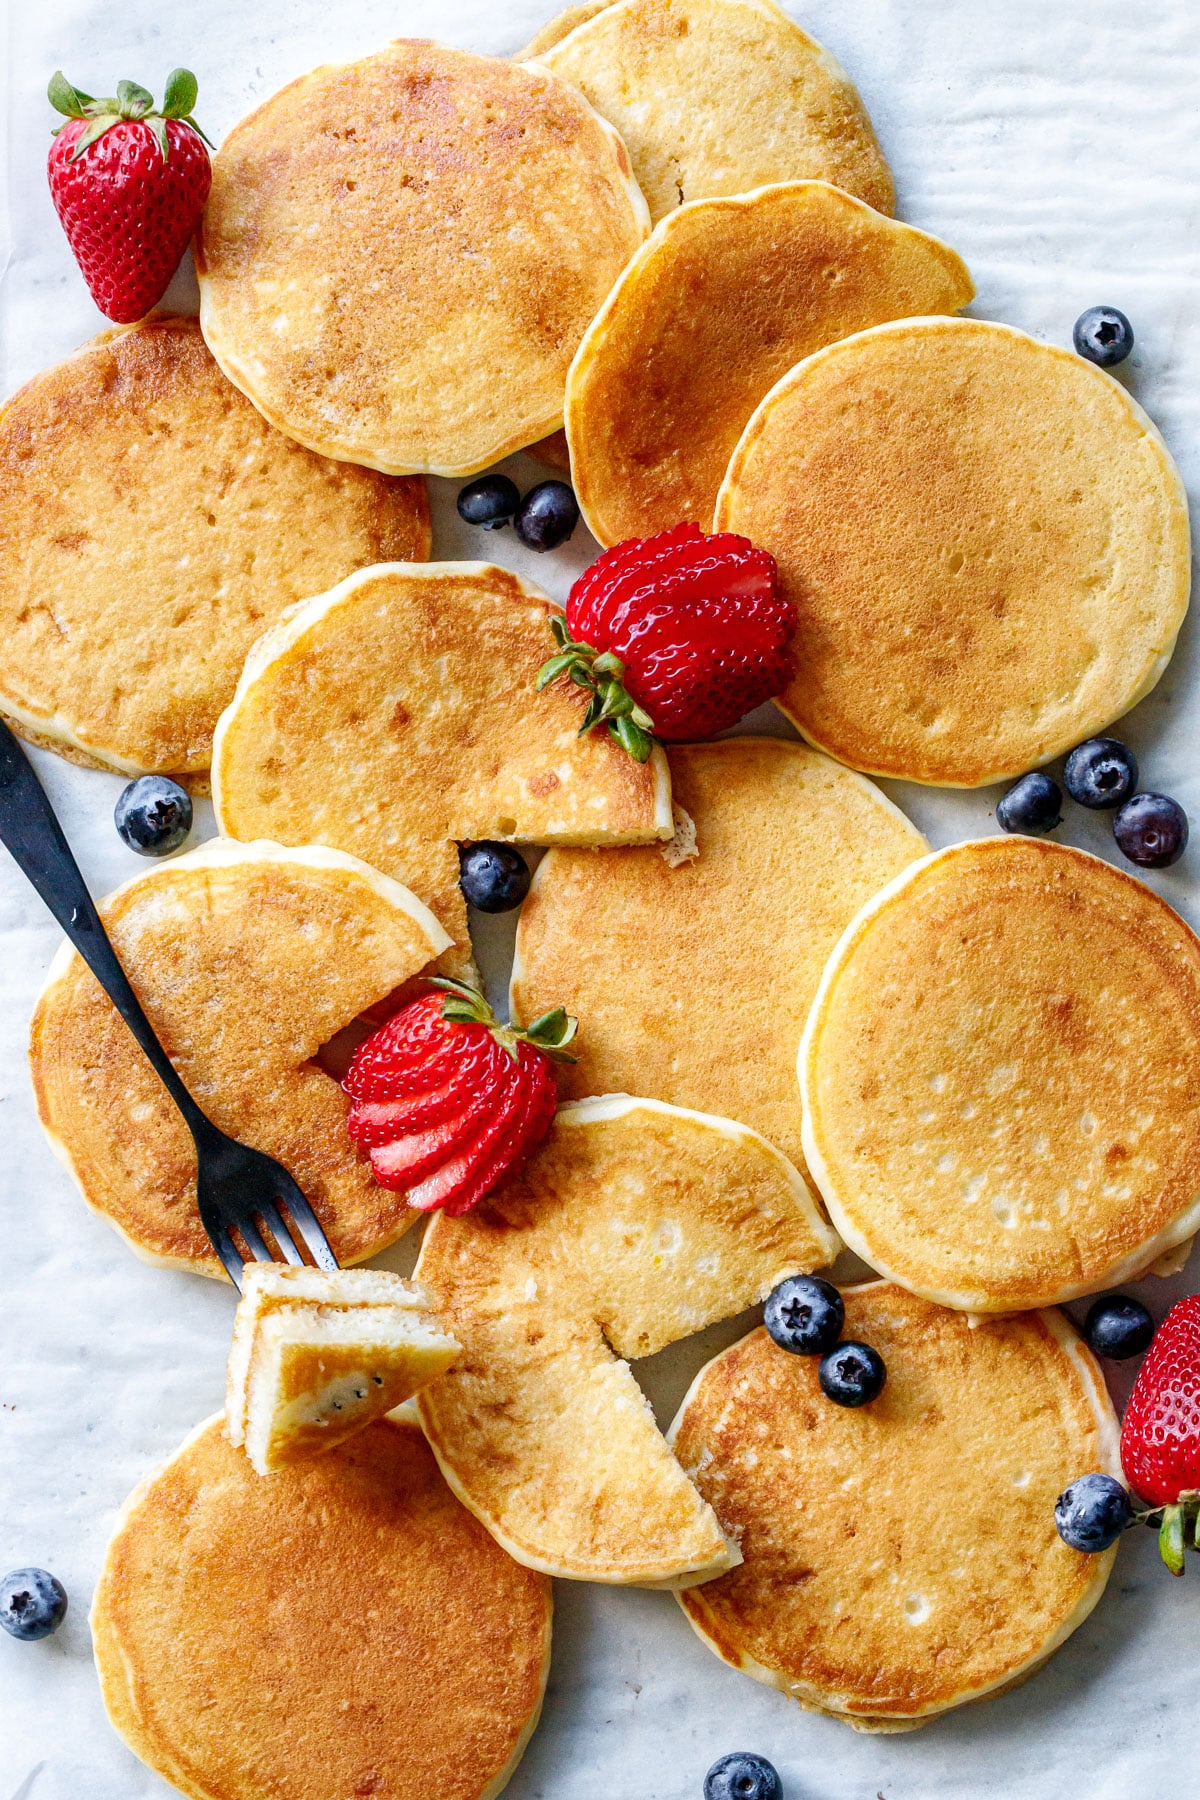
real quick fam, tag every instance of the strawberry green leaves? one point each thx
(600, 674)
(131, 101)
(551, 1033)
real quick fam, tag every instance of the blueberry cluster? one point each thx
(543, 520)
(805, 1315)
(1091, 1514)
(1150, 829)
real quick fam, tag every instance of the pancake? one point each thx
(718, 97)
(397, 716)
(152, 525)
(692, 984)
(247, 959)
(634, 1225)
(1000, 1073)
(901, 1559)
(553, 450)
(720, 302)
(986, 540)
(400, 255)
(342, 1628)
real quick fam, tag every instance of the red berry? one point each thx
(1160, 1436)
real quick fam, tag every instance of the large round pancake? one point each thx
(247, 959)
(634, 1225)
(152, 525)
(986, 540)
(900, 1559)
(692, 984)
(400, 255)
(397, 715)
(1000, 1074)
(722, 300)
(718, 97)
(343, 1627)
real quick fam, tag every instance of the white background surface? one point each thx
(1055, 144)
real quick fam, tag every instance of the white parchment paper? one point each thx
(1055, 144)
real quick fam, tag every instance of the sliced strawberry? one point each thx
(523, 1139)
(415, 1052)
(443, 1182)
(407, 1160)
(374, 1122)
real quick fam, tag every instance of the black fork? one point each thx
(240, 1190)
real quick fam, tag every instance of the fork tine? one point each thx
(308, 1225)
(270, 1217)
(227, 1250)
(254, 1240)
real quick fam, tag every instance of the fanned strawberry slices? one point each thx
(446, 1101)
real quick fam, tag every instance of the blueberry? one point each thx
(494, 877)
(1103, 335)
(1101, 773)
(153, 815)
(1032, 804)
(743, 1776)
(805, 1315)
(852, 1374)
(491, 501)
(1118, 1327)
(32, 1604)
(1151, 830)
(1092, 1513)
(549, 514)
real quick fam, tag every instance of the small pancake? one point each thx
(152, 525)
(400, 255)
(985, 538)
(341, 1628)
(692, 984)
(634, 1225)
(900, 1559)
(247, 959)
(1000, 1074)
(718, 97)
(720, 302)
(397, 715)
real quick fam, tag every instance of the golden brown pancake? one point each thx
(342, 1628)
(396, 717)
(1000, 1073)
(720, 302)
(692, 983)
(634, 1225)
(718, 97)
(152, 525)
(400, 255)
(985, 538)
(247, 959)
(899, 1559)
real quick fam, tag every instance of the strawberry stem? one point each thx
(131, 101)
(467, 1006)
(601, 674)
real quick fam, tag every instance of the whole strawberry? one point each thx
(446, 1101)
(129, 182)
(675, 636)
(1160, 1436)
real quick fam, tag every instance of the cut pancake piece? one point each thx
(721, 301)
(400, 255)
(634, 1225)
(900, 1559)
(999, 1076)
(317, 1356)
(152, 525)
(344, 1628)
(692, 983)
(985, 538)
(718, 97)
(396, 717)
(247, 959)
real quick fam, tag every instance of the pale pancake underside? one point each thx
(634, 1225)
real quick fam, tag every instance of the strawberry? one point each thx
(675, 636)
(1160, 1436)
(446, 1101)
(129, 182)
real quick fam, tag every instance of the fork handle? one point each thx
(34, 838)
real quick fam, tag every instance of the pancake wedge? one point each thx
(396, 717)
(902, 1559)
(247, 958)
(985, 538)
(692, 983)
(999, 1076)
(152, 525)
(342, 1628)
(716, 306)
(634, 1225)
(400, 255)
(718, 97)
